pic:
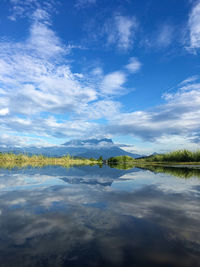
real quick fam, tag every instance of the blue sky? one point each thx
(127, 70)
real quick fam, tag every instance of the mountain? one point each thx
(80, 148)
(154, 154)
(144, 156)
(96, 148)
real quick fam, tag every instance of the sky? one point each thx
(122, 69)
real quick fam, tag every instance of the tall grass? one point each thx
(10, 160)
(176, 156)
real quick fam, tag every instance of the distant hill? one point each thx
(144, 156)
(80, 148)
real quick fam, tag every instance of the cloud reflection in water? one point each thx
(85, 220)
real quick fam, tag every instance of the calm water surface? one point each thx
(91, 216)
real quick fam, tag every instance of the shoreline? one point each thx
(11, 161)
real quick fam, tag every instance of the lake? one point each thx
(92, 216)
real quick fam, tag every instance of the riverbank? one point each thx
(169, 164)
(183, 156)
(175, 158)
(126, 162)
(10, 160)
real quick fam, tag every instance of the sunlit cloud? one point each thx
(113, 82)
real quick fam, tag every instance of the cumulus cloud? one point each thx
(45, 127)
(179, 116)
(40, 94)
(31, 77)
(36, 78)
(100, 109)
(120, 30)
(40, 81)
(113, 82)
(38, 84)
(134, 65)
(44, 42)
(11, 139)
(4, 111)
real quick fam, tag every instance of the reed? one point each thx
(175, 156)
(10, 160)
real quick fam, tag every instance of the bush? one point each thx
(176, 156)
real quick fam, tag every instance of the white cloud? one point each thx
(4, 111)
(36, 78)
(194, 26)
(97, 72)
(44, 41)
(113, 82)
(100, 109)
(190, 80)
(38, 86)
(36, 82)
(177, 118)
(32, 9)
(11, 139)
(134, 65)
(41, 15)
(47, 127)
(33, 73)
(162, 145)
(121, 30)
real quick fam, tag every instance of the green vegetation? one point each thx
(120, 159)
(175, 156)
(175, 171)
(161, 163)
(123, 166)
(100, 159)
(125, 162)
(10, 160)
(121, 162)
(155, 163)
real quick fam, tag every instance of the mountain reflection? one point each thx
(85, 217)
